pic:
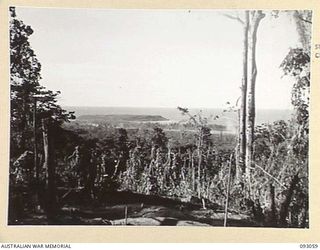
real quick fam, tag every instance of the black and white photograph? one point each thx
(159, 117)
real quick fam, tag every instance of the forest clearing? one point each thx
(223, 169)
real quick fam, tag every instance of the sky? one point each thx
(156, 58)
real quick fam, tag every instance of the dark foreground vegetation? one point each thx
(98, 173)
(139, 176)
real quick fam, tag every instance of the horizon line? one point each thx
(159, 107)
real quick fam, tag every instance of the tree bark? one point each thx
(242, 118)
(255, 18)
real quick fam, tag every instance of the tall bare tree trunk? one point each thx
(35, 149)
(255, 18)
(242, 114)
(199, 163)
(49, 166)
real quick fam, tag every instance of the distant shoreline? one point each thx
(142, 107)
(173, 114)
(123, 118)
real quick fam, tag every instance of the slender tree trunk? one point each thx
(24, 127)
(242, 113)
(45, 149)
(48, 143)
(35, 152)
(284, 210)
(35, 149)
(238, 169)
(273, 212)
(193, 173)
(255, 18)
(199, 164)
(227, 193)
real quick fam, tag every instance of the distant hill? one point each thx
(122, 118)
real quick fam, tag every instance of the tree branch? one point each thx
(302, 19)
(274, 178)
(234, 18)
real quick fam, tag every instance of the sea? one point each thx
(214, 115)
